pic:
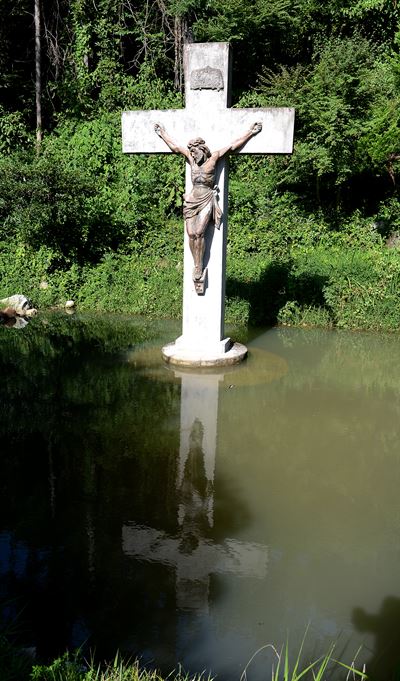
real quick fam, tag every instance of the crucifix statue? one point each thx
(201, 205)
(207, 116)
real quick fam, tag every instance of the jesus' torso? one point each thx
(202, 177)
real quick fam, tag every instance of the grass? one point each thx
(16, 665)
(319, 286)
(283, 669)
(74, 668)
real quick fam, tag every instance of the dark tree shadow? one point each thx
(384, 664)
(275, 286)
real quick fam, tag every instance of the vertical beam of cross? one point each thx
(207, 93)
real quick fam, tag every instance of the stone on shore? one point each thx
(21, 304)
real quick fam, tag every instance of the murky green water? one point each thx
(194, 518)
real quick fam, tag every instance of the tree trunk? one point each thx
(182, 35)
(38, 77)
(178, 53)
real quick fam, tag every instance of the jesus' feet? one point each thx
(197, 273)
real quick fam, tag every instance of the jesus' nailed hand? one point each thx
(201, 204)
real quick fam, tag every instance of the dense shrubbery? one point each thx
(307, 232)
(99, 232)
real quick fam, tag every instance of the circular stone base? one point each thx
(179, 356)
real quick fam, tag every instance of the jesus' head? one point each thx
(198, 150)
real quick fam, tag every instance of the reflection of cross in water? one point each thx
(193, 556)
(199, 413)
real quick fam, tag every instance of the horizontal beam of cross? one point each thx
(276, 137)
(232, 556)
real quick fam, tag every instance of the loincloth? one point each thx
(193, 205)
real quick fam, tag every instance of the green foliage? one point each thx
(346, 289)
(44, 203)
(84, 221)
(13, 131)
(379, 143)
(147, 284)
(310, 274)
(286, 669)
(378, 17)
(338, 100)
(362, 7)
(73, 668)
(254, 28)
(82, 198)
(130, 283)
(137, 193)
(65, 668)
(240, 22)
(294, 314)
(14, 664)
(23, 270)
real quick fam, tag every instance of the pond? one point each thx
(194, 518)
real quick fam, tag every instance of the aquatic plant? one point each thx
(284, 668)
(74, 668)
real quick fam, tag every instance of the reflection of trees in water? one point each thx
(82, 454)
(93, 445)
(352, 360)
(384, 664)
(63, 377)
(45, 364)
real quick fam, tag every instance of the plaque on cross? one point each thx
(207, 121)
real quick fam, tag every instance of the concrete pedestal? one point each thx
(227, 353)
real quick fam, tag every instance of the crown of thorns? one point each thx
(199, 143)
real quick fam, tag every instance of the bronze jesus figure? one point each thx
(200, 206)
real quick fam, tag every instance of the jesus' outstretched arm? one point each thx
(254, 130)
(176, 148)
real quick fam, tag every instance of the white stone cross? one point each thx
(207, 115)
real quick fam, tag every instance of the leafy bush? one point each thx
(347, 122)
(293, 314)
(43, 203)
(74, 668)
(145, 284)
(13, 131)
